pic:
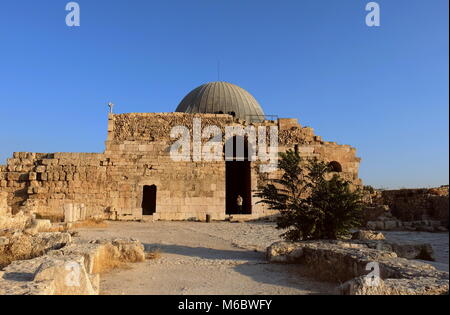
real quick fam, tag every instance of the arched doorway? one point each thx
(238, 177)
(335, 167)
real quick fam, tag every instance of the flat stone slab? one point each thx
(342, 261)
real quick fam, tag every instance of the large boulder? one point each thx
(409, 250)
(15, 222)
(423, 251)
(328, 260)
(69, 276)
(71, 270)
(284, 252)
(103, 255)
(24, 246)
(27, 288)
(37, 226)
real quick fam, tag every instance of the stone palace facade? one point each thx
(136, 176)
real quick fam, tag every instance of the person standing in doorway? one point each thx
(239, 202)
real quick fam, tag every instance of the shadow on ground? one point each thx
(206, 253)
(254, 266)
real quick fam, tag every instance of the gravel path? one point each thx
(200, 258)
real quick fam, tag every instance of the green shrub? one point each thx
(313, 203)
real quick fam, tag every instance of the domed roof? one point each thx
(222, 98)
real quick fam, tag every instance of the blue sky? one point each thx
(383, 90)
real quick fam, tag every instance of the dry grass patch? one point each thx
(107, 265)
(109, 258)
(55, 229)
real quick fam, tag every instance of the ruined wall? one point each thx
(73, 186)
(418, 204)
(294, 137)
(193, 189)
(44, 183)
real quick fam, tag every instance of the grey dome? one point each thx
(222, 98)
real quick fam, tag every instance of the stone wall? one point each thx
(185, 190)
(418, 204)
(72, 186)
(44, 183)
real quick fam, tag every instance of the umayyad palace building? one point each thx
(137, 176)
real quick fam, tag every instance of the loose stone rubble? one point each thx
(348, 262)
(71, 270)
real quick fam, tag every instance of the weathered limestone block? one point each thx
(288, 124)
(4, 209)
(129, 250)
(418, 286)
(72, 270)
(367, 235)
(22, 246)
(404, 249)
(38, 226)
(17, 222)
(69, 276)
(284, 252)
(346, 261)
(98, 255)
(28, 288)
(422, 251)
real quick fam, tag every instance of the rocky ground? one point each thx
(220, 258)
(439, 241)
(201, 258)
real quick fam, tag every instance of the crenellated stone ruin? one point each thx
(136, 177)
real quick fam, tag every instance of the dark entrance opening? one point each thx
(335, 167)
(149, 200)
(238, 179)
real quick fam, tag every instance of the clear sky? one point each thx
(383, 90)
